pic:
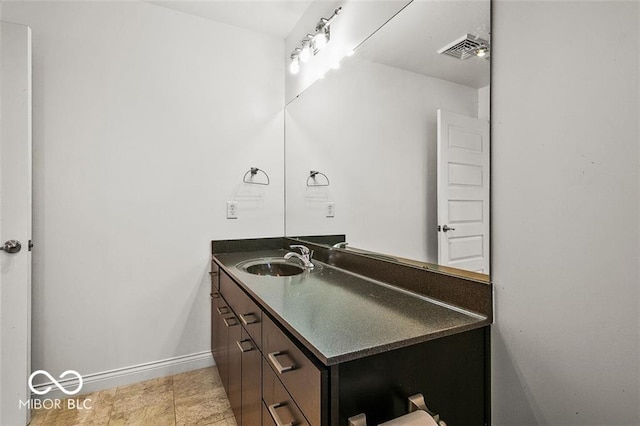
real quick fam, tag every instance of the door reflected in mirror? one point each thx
(392, 149)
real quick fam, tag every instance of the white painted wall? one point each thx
(145, 121)
(372, 129)
(565, 213)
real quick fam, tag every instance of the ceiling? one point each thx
(275, 18)
(411, 39)
(408, 41)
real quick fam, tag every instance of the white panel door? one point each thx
(15, 221)
(463, 192)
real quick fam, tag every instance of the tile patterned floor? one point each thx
(195, 398)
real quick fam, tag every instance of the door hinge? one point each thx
(30, 245)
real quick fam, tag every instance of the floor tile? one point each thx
(194, 398)
(150, 415)
(38, 417)
(205, 408)
(229, 421)
(156, 392)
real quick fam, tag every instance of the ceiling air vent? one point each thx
(464, 47)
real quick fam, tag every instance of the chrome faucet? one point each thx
(341, 245)
(305, 257)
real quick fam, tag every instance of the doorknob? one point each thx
(11, 246)
(447, 228)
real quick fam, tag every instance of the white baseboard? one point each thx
(128, 375)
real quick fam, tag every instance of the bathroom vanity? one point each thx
(353, 335)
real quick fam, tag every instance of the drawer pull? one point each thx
(243, 349)
(215, 295)
(222, 310)
(213, 273)
(230, 322)
(252, 319)
(274, 414)
(276, 364)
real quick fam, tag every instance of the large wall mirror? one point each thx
(392, 149)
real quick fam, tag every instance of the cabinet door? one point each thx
(234, 392)
(251, 381)
(215, 296)
(223, 321)
(248, 312)
(215, 301)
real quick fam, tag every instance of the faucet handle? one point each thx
(303, 249)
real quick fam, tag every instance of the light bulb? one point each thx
(481, 52)
(320, 40)
(305, 54)
(294, 68)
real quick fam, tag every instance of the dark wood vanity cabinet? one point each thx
(452, 373)
(272, 379)
(266, 376)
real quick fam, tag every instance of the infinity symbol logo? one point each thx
(55, 382)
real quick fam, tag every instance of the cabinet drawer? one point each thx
(300, 376)
(248, 313)
(279, 408)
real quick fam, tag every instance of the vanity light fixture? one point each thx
(323, 30)
(320, 40)
(305, 53)
(312, 43)
(294, 67)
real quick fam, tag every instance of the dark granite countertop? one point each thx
(340, 316)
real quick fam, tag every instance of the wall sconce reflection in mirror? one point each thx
(312, 43)
(251, 174)
(313, 181)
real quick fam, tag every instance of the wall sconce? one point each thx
(312, 43)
